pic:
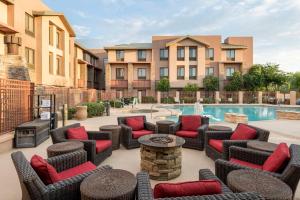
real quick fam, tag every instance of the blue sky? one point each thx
(274, 24)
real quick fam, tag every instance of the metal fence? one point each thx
(188, 96)
(229, 97)
(16, 102)
(269, 97)
(250, 97)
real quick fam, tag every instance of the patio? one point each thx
(192, 161)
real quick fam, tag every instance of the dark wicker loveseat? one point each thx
(192, 142)
(127, 139)
(34, 188)
(261, 134)
(290, 174)
(60, 135)
(144, 191)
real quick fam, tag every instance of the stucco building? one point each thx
(181, 59)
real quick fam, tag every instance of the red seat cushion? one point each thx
(188, 134)
(243, 132)
(140, 133)
(136, 123)
(78, 133)
(278, 158)
(216, 144)
(190, 122)
(80, 169)
(246, 164)
(45, 171)
(203, 187)
(102, 145)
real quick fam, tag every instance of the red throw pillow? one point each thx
(136, 123)
(243, 132)
(78, 133)
(203, 187)
(45, 171)
(278, 158)
(191, 122)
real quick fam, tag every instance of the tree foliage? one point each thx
(191, 87)
(235, 82)
(295, 81)
(163, 85)
(211, 83)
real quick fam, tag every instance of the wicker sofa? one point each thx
(34, 188)
(192, 142)
(261, 134)
(60, 135)
(127, 139)
(144, 191)
(290, 174)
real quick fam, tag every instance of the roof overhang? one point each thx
(60, 15)
(126, 48)
(85, 49)
(7, 29)
(80, 61)
(185, 38)
(9, 2)
(233, 46)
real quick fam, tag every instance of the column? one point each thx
(158, 97)
(217, 97)
(140, 96)
(293, 97)
(241, 97)
(130, 76)
(260, 97)
(177, 97)
(107, 77)
(198, 96)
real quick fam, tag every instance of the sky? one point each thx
(274, 24)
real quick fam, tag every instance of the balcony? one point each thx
(141, 84)
(119, 84)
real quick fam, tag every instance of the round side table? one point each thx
(255, 181)
(113, 184)
(163, 126)
(261, 145)
(63, 148)
(115, 131)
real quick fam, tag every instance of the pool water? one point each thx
(216, 113)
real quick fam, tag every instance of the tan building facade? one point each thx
(181, 59)
(41, 44)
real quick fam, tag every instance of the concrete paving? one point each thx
(193, 160)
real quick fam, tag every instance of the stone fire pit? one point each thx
(161, 156)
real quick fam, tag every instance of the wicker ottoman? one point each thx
(63, 148)
(115, 184)
(262, 183)
(115, 131)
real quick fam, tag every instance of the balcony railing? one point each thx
(141, 84)
(119, 83)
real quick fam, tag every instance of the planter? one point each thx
(81, 112)
(290, 115)
(236, 118)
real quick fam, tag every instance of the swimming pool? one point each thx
(216, 112)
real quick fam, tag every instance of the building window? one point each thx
(209, 71)
(120, 73)
(210, 54)
(230, 54)
(120, 55)
(180, 73)
(50, 62)
(51, 35)
(193, 53)
(180, 53)
(193, 72)
(141, 73)
(58, 39)
(29, 54)
(29, 24)
(164, 72)
(164, 54)
(141, 55)
(229, 71)
(60, 70)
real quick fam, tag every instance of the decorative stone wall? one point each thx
(291, 115)
(161, 163)
(13, 67)
(236, 118)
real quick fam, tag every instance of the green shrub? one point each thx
(116, 104)
(94, 109)
(169, 100)
(208, 100)
(71, 113)
(188, 100)
(148, 99)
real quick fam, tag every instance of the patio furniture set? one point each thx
(247, 166)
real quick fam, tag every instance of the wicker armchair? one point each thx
(262, 135)
(290, 174)
(127, 139)
(193, 143)
(144, 191)
(60, 135)
(34, 188)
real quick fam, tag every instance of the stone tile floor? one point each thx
(193, 160)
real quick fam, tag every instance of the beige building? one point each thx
(39, 43)
(181, 59)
